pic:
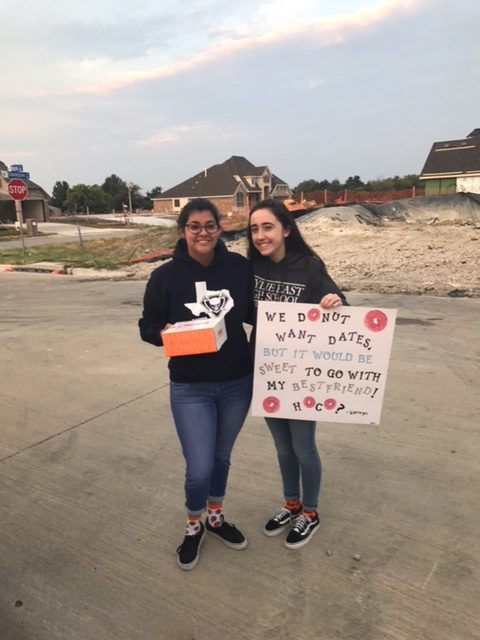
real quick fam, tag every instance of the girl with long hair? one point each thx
(286, 269)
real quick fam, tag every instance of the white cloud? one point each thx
(104, 47)
(154, 92)
(172, 134)
(310, 83)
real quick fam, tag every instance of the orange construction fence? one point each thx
(350, 196)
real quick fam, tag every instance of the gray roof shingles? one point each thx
(217, 180)
(454, 157)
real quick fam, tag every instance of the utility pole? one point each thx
(130, 186)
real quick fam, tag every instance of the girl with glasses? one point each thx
(209, 393)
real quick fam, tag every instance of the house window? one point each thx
(239, 199)
(176, 203)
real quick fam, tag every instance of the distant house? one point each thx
(233, 186)
(34, 207)
(453, 166)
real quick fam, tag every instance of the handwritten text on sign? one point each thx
(313, 364)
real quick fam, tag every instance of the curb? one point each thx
(61, 270)
(54, 269)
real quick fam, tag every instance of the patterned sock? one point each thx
(215, 513)
(293, 505)
(311, 514)
(193, 525)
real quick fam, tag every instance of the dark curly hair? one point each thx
(197, 204)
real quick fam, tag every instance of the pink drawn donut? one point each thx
(271, 404)
(314, 314)
(330, 403)
(309, 402)
(375, 320)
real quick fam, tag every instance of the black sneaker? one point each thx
(188, 551)
(228, 534)
(302, 531)
(283, 519)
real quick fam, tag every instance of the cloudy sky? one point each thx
(155, 92)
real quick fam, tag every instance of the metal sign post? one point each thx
(19, 212)
(18, 191)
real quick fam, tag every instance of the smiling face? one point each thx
(268, 234)
(201, 244)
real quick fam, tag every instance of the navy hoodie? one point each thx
(173, 285)
(296, 278)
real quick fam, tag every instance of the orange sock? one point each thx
(292, 505)
(311, 514)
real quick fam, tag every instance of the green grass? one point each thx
(97, 254)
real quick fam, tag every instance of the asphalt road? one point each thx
(91, 475)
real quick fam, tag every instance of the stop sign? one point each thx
(17, 189)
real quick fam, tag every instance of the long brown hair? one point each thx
(293, 242)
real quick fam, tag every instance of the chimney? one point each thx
(205, 172)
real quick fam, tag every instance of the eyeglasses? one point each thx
(196, 227)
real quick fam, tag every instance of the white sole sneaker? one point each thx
(232, 545)
(194, 562)
(301, 543)
(277, 532)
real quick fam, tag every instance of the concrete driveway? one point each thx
(91, 497)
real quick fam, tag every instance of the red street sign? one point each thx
(17, 189)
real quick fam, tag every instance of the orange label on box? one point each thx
(194, 337)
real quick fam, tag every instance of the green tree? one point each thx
(122, 193)
(59, 193)
(394, 183)
(410, 180)
(354, 182)
(100, 202)
(81, 198)
(139, 201)
(156, 192)
(307, 186)
(324, 184)
(117, 189)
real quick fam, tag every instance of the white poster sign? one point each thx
(314, 364)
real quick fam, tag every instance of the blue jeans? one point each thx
(208, 417)
(297, 454)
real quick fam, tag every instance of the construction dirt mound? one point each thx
(391, 256)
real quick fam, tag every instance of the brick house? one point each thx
(453, 166)
(233, 186)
